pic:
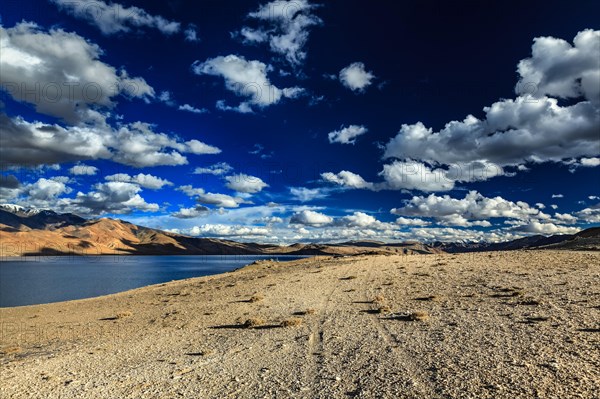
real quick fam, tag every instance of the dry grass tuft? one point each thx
(124, 315)
(306, 312)
(10, 350)
(256, 298)
(384, 309)
(418, 316)
(378, 299)
(254, 322)
(292, 322)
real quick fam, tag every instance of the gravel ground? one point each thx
(522, 324)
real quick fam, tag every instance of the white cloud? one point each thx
(47, 189)
(411, 175)
(191, 213)
(557, 196)
(565, 218)
(286, 28)
(347, 180)
(560, 69)
(355, 77)
(189, 108)
(554, 206)
(243, 183)
(402, 221)
(473, 207)
(246, 79)
(111, 197)
(114, 18)
(198, 148)
(143, 180)
(61, 75)
(191, 35)
(547, 228)
(590, 162)
(540, 205)
(304, 194)
(527, 129)
(347, 135)
(218, 200)
(218, 169)
(590, 215)
(221, 230)
(310, 218)
(83, 170)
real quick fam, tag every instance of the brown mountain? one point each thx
(26, 232)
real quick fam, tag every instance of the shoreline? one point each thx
(493, 325)
(268, 258)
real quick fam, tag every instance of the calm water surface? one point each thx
(35, 280)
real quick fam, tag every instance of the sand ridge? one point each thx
(517, 324)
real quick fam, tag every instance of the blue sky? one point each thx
(305, 121)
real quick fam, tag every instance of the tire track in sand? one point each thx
(414, 378)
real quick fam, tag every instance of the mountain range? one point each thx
(26, 231)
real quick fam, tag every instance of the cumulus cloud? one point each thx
(191, 213)
(412, 175)
(47, 189)
(346, 179)
(557, 196)
(111, 197)
(189, 108)
(590, 214)
(526, 129)
(115, 18)
(547, 228)
(143, 180)
(61, 75)
(347, 135)
(83, 170)
(590, 162)
(218, 200)
(304, 194)
(243, 183)
(355, 77)
(474, 206)
(135, 144)
(217, 169)
(557, 68)
(222, 230)
(285, 26)
(246, 79)
(310, 218)
(402, 221)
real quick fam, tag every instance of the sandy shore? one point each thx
(499, 325)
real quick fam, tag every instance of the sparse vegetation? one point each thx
(384, 309)
(308, 311)
(378, 299)
(256, 298)
(124, 315)
(292, 322)
(254, 322)
(418, 316)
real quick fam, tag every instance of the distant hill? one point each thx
(43, 232)
(588, 239)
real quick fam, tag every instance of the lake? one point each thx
(45, 279)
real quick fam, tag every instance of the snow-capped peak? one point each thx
(18, 209)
